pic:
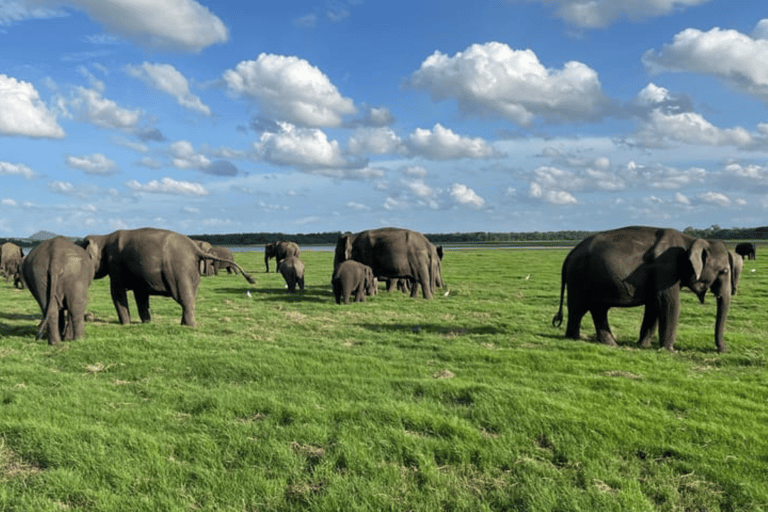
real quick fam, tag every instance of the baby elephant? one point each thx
(58, 273)
(292, 269)
(353, 277)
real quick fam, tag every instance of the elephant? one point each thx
(10, 263)
(211, 267)
(737, 264)
(643, 266)
(353, 277)
(280, 250)
(404, 285)
(151, 261)
(746, 250)
(292, 269)
(58, 274)
(393, 253)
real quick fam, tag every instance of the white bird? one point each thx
(248, 293)
(528, 277)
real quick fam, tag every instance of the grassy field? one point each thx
(470, 401)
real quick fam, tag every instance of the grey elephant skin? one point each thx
(643, 266)
(280, 250)
(10, 262)
(746, 250)
(58, 274)
(352, 277)
(210, 267)
(737, 265)
(151, 261)
(394, 253)
(292, 269)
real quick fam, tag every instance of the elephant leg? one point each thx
(187, 301)
(669, 315)
(142, 303)
(360, 293)
(55, 325)
(575, 313)
(649, 325)
(120, 299)
(603, 330)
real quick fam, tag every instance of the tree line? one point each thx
(479, 237)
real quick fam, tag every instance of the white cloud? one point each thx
(682, 199)
(306, 148)
(90, 106)
(600, 13)
(168, 186)
(168, 79)
(8, 169)
(163, 24)
(662, 129)
(96, 164)
(12, 11)
(374, 141)
(716, 198)
(23, 113)
(494, 79)
(289, 89)
(557, 197)
(441, 143)
(466, 196)
(185, 156)
(736, 58)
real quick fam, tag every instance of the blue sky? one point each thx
(219, 116)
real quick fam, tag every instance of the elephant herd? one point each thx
(625, 267)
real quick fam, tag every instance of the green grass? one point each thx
(470, 401)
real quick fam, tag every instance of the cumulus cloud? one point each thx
(184, 25)
(289, 89)
(169, 80)
(168, 186)
(8, 169)
(440, 143)
(464, 195)
(662, 129)
(601, 13)
(184, 156)
(494, 79)
(305, 148)
(22, 112)
(90, 106)
(668, 120)
(375, 141)
(95, 165)
(715, 198)
(736, 58)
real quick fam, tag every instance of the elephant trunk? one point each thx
(723, 304)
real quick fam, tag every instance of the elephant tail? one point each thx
(557, 320)
(208, 256)
(51, 307)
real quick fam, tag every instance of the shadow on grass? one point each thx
(419, 328)
(310, 294)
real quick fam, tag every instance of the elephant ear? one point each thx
(92, 249)
(697, 254)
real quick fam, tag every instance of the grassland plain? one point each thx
(469, 401)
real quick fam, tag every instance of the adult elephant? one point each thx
(393, 253)
(746, 250)
(643, 266)
(10, 262)
(280, 250)
(151, 261)
(211, 267)
(58, 274)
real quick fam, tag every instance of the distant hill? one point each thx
(42, 235)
